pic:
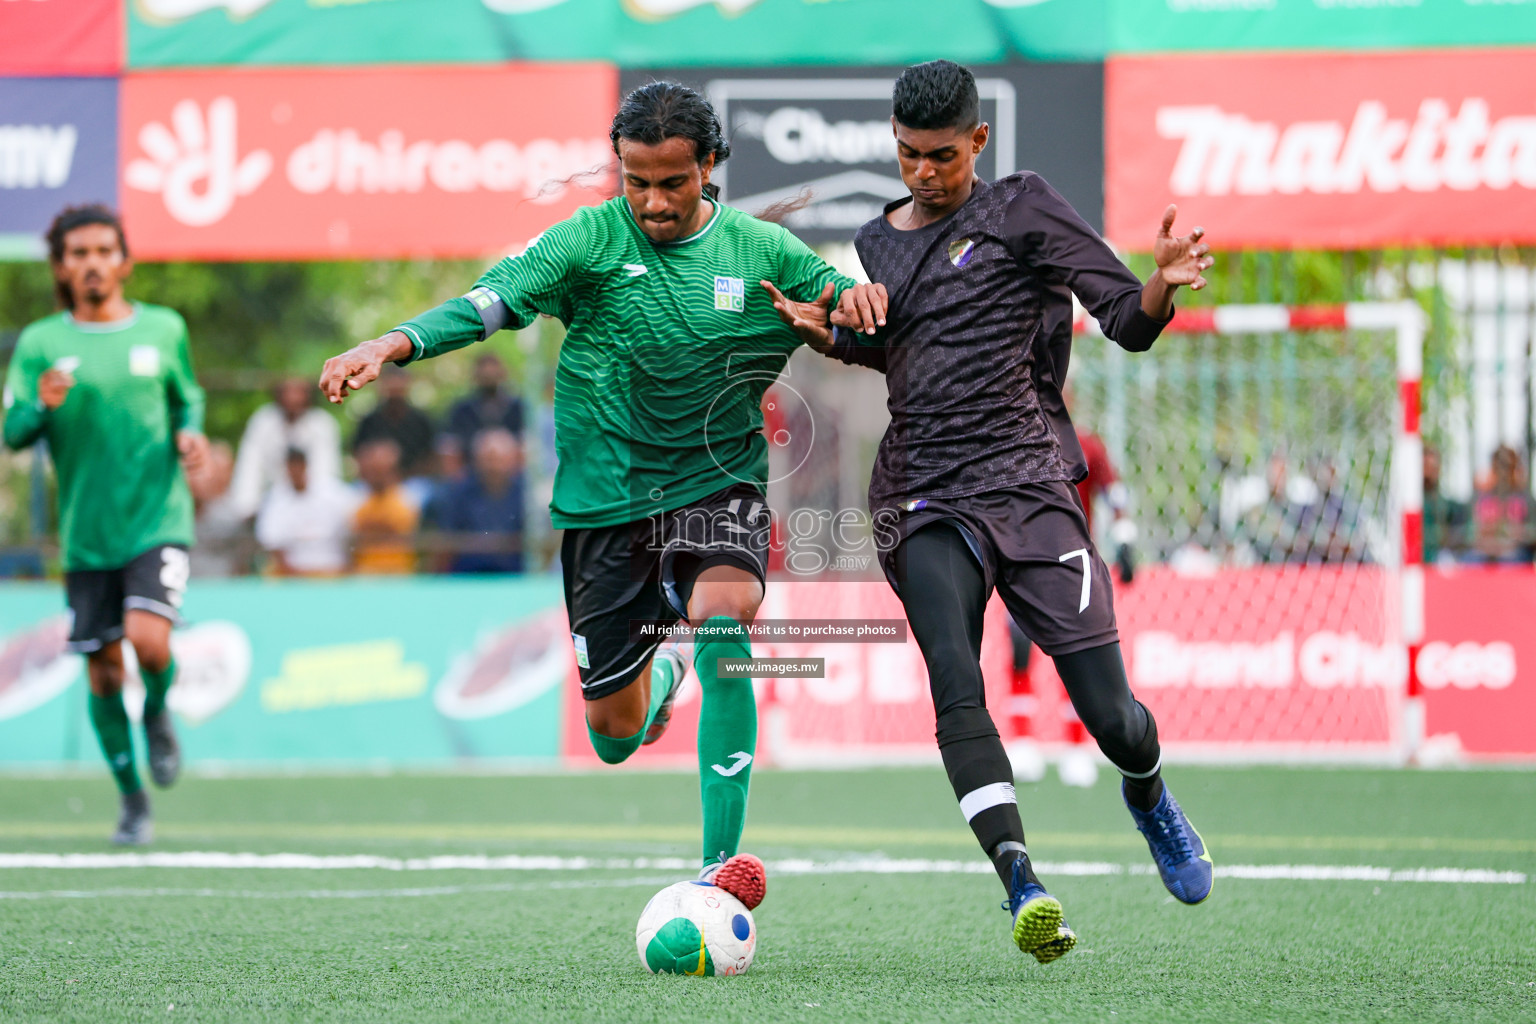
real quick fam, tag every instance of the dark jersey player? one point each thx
(973, 483)
(108, 384)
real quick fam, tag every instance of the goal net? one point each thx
(1268, 463)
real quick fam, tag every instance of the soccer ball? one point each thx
(695, 928)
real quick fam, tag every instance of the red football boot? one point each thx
(743, 876)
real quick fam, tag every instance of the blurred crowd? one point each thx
(1497, 526)
(1308, 513)
(425, 496)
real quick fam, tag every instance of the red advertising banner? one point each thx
(364, 163)
(1284, 657)
(871, 705)
(61, 37)
(1269, 663)
(1299, 662)
(1478, 664)
(1336, 151)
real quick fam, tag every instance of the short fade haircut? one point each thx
(70, 218)
(938, 94)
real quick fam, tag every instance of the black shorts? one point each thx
(154, 582)
(645, 570)
(1033, 545)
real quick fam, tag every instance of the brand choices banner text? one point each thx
(405, 162)
(1324, 152)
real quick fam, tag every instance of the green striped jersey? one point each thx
(668, 351)
(113, 441)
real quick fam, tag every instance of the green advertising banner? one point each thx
(634, 33)
(350, 672)
(1175, 26)
(742, 33)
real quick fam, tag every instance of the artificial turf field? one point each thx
(522, 939)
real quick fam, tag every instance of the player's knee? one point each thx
(1118, 728)
(739, 608)
(151, 640)
(105, 674)
(154, 653)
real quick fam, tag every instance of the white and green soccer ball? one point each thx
(695, 928)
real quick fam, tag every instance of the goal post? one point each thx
(1274, 468)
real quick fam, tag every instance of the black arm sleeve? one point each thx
(1049, 235)
(849, 348)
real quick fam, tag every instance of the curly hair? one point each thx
(70, 218)
(938, 94)
(659, 111)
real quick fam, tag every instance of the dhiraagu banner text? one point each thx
(633, 33)
(353, 672)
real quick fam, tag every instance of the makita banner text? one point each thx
(1325, 152)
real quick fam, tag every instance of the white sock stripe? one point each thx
(990, 795)
(1141, 775)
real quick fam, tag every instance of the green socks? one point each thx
(727, 736)
(111, 721)
(155, 686)
(611, 750)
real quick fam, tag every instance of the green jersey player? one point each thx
(662, 462)
(108, 384)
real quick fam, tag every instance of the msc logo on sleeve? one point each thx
(730, 294)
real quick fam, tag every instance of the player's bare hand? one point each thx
(862, 308)
(1181, 260)
(361, 364)
(810, 320)
(193, 447)
(53, 387)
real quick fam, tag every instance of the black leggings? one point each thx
(945, 596)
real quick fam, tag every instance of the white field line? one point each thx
(792, 866)
(337, 894)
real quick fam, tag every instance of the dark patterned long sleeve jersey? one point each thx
(978, 336)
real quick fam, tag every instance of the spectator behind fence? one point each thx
(482, 515)
(396, 419)
(1330, 528)
(289, 422)
(1502, 512)
(384, 524)
(223, 538)
(1446, 520)
(489, 406)
(304, 521)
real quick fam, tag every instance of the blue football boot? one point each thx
(1038, 928)
(1177, 849)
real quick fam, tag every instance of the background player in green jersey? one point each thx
(660, 486)
(108, 384)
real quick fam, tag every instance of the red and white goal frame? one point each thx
(1325, 679)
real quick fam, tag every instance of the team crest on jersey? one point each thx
(144, 361)
(730, 294)
(961, 250)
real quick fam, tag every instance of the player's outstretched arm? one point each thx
(1181, 260)
(860, 308)
(810, 320)
(359, 365)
